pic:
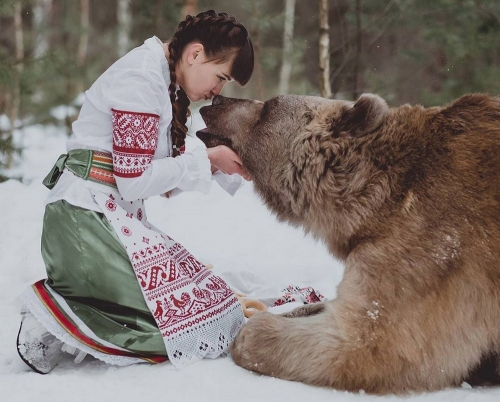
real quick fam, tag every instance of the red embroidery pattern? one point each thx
(306, 295)
(196, 312)
(111, 205)
(126, 231)
(101, 170)
(161, 277)
(135, 138)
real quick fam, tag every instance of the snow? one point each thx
(236, 234)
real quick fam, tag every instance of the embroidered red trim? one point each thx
(102, 176)
(135, 139)
(101, 170)
(73, 330)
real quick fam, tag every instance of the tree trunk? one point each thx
(124, 20)
(159, 23)
(190, 8)
(357, 58)
(324, 53)
(82, 45)
(15, 96)
(286, 65)
(255, 35)
(42, 10)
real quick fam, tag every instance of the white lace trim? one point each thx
(210, 341)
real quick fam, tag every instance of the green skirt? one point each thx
(88, 267)
(120, 289)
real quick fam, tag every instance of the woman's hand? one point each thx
(225, 159)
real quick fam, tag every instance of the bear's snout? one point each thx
(217, 100)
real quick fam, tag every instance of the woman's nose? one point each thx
(218, 89)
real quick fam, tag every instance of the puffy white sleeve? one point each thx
(230, 183)
(136, 101)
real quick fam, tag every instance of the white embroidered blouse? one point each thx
(127, 112)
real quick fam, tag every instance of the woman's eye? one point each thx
(220, 78)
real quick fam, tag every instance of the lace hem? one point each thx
(210, 341)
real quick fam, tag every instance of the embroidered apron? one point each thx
(195, 311)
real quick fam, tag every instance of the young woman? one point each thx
(118, 288)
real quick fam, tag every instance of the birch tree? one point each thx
(19, 51)
(357, 58)
(324, 54)
(286, 64)
(15, 95)
(124, 20)
(41, 18)
(255, 35)
(83, 43)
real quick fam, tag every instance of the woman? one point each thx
(117, 287)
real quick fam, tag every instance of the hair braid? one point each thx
(222, 37)
(180, 105)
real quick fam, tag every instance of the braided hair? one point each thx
(223, 38)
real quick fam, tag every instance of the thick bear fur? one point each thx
(409, 199)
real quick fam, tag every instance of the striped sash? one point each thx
(88, 164)
(101, 168)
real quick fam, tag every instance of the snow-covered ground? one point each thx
(235, 234)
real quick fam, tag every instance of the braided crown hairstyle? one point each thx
(223, 38)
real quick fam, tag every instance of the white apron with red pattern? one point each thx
(197, 313)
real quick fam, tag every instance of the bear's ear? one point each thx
(365, 116)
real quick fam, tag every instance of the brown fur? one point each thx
(408, 198)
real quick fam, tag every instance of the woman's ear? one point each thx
(193, 52)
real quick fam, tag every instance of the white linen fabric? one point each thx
(278, 298)
(196, 312)
(138, 83)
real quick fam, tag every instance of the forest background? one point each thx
(408, 51)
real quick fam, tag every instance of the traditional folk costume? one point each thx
(117, 287)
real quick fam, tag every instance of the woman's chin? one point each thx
(196, 98)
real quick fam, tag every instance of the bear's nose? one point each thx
(217, 100)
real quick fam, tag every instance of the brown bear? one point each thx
(409, 199)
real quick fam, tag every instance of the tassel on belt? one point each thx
(90, 165)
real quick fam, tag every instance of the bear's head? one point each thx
(303, 153)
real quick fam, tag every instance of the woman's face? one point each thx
(200, 77)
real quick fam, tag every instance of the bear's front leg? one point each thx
(295, 348)
(356, 348)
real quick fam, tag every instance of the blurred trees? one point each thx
(417, 51)
(324, 50)
(286, 60)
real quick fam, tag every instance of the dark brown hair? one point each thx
(223, 38)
